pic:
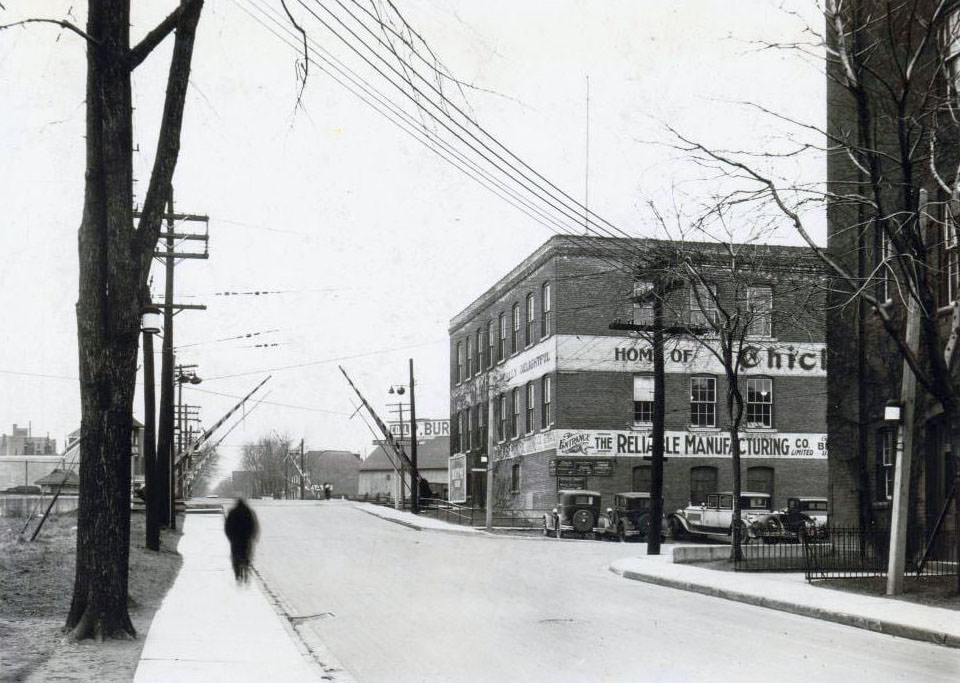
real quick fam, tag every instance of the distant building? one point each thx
(379, 476)
(22, 442)
(25, 458)
(338, 468)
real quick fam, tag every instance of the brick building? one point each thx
(570, 400)
(890, 147)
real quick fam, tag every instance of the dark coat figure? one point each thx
(327, 490)
(241, 529)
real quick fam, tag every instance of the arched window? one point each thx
(703, 480)
(760, 480)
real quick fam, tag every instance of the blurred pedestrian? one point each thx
(241, 529)
(327, 490)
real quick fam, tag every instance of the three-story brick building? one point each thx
(569, 400)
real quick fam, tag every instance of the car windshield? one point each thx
(582, 500)
(754, 502)
(636, 503)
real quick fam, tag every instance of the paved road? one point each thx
(395, 604)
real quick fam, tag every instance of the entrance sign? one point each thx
(457, 478)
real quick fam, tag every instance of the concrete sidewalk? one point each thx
(209, 628)
(785, 591)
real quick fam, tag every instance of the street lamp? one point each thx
(892, 412)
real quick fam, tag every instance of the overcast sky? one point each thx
(367, 239)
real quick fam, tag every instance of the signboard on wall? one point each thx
(589, 442)
(623, 354)
(457, 478)
(426, 428)
(572, 483)
(581, 467)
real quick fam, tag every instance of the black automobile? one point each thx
(629, 518)
(786, 527)
(576, 511)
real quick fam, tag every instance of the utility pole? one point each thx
(165, 455)
(656, 295)
(900, 506)
(415, 474)
(152, 486)
(301, 469)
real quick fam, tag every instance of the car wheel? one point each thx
(676, 528)
(643, 527)
(583, 521)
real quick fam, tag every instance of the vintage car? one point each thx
(790, 526)
(812, 506)
(576, 511)
(714, 518)
(629, 518)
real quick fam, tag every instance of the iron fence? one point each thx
(852, 553)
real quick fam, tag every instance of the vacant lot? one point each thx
(36, 584)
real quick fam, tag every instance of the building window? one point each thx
(502, 341)
(491, 340)
(703, 401)
(459, 362)
(642, 400)
(478, 353)
(703, 306)
(502, 417)
(703, 480)
(515, 337)
(760, 480)
(760, 311)
(886, 459)
(460, 435)
(545, 398)
(531, 320)
(640, 481)
(531, 403)
(467, 427)
(760, 402)
(469, 355)
(951, 260)
(515, 415)
(642, 303)
(545, 308)
(515, 478)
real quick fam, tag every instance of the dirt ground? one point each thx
(36, 585)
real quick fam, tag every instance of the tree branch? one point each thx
(59, 22)
(156, 36)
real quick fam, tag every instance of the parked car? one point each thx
(714, 518)
(812, 506)
(778, 527)
(576, 511)
(629, 518)
(24, 488)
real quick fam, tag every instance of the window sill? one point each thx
(760, 430)
(703, 430)
(641, 426)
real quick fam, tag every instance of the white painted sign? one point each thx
(590, 442)
(426, 428)
(457, 478)
(626, 354)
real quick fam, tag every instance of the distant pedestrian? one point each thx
(241, 529)
(327, 490)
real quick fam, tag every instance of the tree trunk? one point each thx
(107, 329)
(114, 263)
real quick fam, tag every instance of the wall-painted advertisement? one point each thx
(623, 354)
(589, 442)
(457, 472)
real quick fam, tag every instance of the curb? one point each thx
(884, 626)
(416, 527)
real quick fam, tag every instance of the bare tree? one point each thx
(892, 131)
(267, 459)
(722, 295)
(115, 261)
